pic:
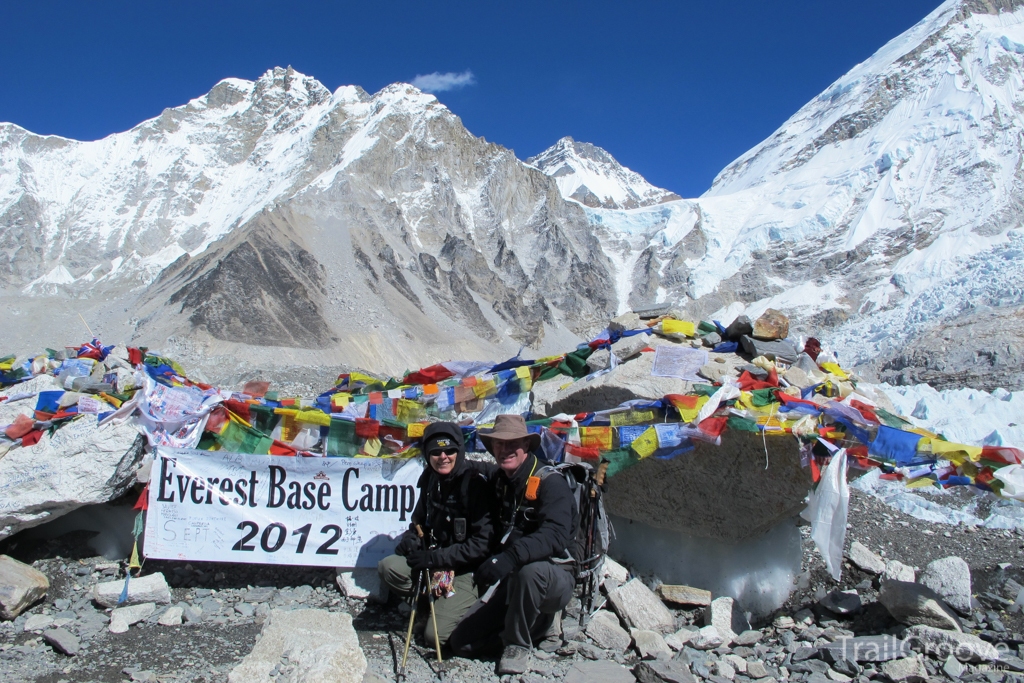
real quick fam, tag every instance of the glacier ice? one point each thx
(758, 573)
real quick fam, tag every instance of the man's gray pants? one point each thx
(521, 609)
(395, 572)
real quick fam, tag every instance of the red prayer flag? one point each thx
(367, 428)
(431, 375)
(32, 438)
(143, 502)
(713, 426)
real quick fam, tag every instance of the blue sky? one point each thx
(674, 90)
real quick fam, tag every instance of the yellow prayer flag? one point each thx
(834, 369)
(415, 430)
(955, 451)
(920, 483)
(340, 400)
(646, 443)
(631, 417)
(315, 417)
(410, 411)
(671, 326)
(523, 372)
(372, 447)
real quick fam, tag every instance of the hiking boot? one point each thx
(514, 660)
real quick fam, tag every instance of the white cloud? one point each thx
(438, 82)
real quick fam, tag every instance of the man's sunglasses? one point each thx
(450, 452)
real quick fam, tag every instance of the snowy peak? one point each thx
(591, 176)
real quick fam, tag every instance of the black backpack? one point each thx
(594, 531)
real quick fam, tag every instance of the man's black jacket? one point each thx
(539, 529)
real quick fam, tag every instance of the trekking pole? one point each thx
(430, 599)
(412, 618)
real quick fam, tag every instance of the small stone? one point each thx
(604, 629)
(172, 616)
(589, 651)
(598, 672)
(866, 560)
(711, 339)
(38, 622)
(615, 571)
(679, 639)
(748, 637)
(897, 571)
(193, 613)
(123, 617)
(362, 584)
(878, 648)
(783, 621)
(738, 327)
(841, 602)
(736, 662)
(756, 669)
(725, 670)
(20, 586)
(673, 671)
(62, 641)
(909, 669)
(244, 609)
(723, 614)
(950, 577)
(952, 667)
(650, 644)
(639, 607)
(150, 588)
(708, 638)
(683, 595)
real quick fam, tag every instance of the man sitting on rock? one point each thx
(537, 519)
(454, 510)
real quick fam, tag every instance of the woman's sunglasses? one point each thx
(450, 452)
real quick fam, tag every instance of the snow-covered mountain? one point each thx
(279, 223)
(274, 214)
(886, 214)
(591, 176)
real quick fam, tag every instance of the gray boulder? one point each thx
(639, 607)
(149, 588)
(673, 671)
(723, 614)
(772, 350)
(604, 629)
(34, 482)
(864, 559)
(941, 643)
(950, 577)
(20, 586)
(906, 670)
(912, 604)
(879, 648)
(321, 646)
(601, 671)
(62, 641)
(683, 595)
(650, 644)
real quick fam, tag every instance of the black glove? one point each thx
(493, 570)
(409, 541)
(420, 559)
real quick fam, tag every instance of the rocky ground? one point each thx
(224, 606)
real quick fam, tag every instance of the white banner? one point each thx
(233, 507)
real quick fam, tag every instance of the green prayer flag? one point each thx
(703, 389)
(763, 397)
(704, 327)
(619, 460)
(342, 440)
(263, 418)
(742, 424)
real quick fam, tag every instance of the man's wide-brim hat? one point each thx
(509, 428)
